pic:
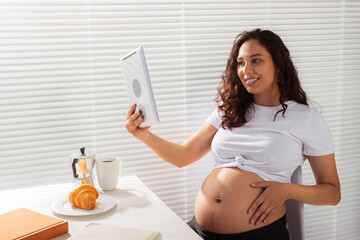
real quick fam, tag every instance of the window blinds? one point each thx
(61, 86)
(349, 210)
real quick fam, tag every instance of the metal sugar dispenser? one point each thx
(82, 166)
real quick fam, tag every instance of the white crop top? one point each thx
(272, 149)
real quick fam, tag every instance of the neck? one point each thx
(267, 103)
(268, 99)
(272, 101)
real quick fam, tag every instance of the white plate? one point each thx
(63, 207)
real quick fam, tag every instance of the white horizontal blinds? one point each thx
(349, 151)
(45, 90)
(312, 32)
(116, 28)
(210, 29)
(62, 88)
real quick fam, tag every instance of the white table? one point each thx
(137, 207)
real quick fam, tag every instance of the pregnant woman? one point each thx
(260, 132)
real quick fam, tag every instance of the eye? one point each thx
(241, 63)
(256, 60)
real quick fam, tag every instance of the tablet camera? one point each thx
(141, 108)
(136, 88)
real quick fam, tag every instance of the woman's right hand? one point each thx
(132, 124)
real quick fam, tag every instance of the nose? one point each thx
(247, 68)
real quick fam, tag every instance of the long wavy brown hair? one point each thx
(232, 98)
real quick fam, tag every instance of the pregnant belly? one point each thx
(224, 199)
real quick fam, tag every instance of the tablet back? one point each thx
(138, 85)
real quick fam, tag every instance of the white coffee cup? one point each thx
(107, 171)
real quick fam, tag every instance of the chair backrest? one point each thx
(295, 212)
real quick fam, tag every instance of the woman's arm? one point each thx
(325, 192)
(179, 155)
(327, 188)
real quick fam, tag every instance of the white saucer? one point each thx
(63, 207)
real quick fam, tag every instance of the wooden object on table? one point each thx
(25, 224)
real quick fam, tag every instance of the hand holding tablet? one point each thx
(138, 85)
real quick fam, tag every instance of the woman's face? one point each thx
(257, 73)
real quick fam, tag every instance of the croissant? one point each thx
(84, 197)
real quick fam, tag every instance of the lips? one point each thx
(251, 80)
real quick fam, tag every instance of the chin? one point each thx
(252, 91)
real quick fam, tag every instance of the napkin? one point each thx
(105, 232)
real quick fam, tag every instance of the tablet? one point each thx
(138, 85)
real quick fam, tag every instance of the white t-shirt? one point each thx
(272, 149)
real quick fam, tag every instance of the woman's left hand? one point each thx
(273, 197)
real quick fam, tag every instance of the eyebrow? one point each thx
(254, 55)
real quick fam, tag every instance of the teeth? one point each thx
(252, 80)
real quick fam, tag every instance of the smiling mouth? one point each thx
(251, 80)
